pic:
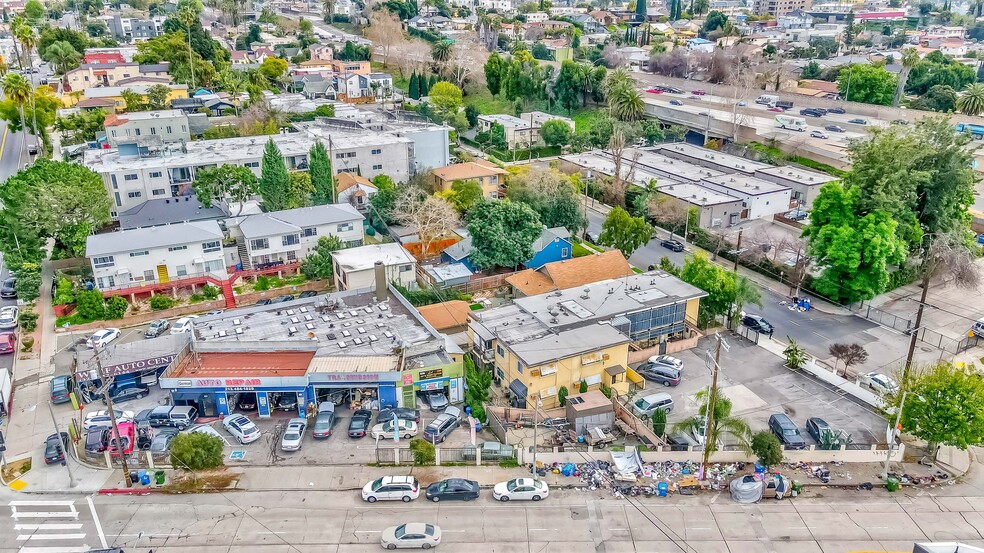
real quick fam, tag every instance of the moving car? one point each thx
(758, 324)
(879, 383)
(435, 400)
(8, 342)
(8, 290)
(675, 102)
(102, 419)
(858, 121)
(385, 430)
(241, 428)
(667, 361)
(698, 92)
(521, 489)
(184, 324)
(8, 317)
(162, 440)
(293, 434)
(324, 420)
(413, 535)
(672, 245)
(839, 111)
(119, 395)
(54, 448)
(784, 429)
(453, 489)
(391, 488)
(809, 112)
(834, 128)
(62, 387)
(401, 412)
(818, 134)
(646, 406)
(102, 338)
(777, 110)
(359, 423)
(157, 328)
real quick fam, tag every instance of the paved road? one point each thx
(570, 521)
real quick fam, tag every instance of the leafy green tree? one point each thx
(658, 421)
(441, 51)
(173, 48)
(867, 84)
(320, 168)
(551, 194)
(972, 100)
(713, 279)
(28, 282)
(723, 423)
(446, 99)
(811, 70)
(231, 183)
(464, 194)
(624, 232)
(157, 96)
(197, 451)
(273, 69)
(556, 133)
(116, 307)
(944, 405)
(413, 89)
(568, 86)
(652, 131)
(715, 20)
(540, 51)
(502, 233)
(940, 98)
(495, 72)
(301, 189)
(90, 305)
(497, 136)
(62, 55)
(477, 390)
(34, 11)
(274, 186)
(382, 204)
(134, 100)
(767, 448)
(471, 114)
(317, 265)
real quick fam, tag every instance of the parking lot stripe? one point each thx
(54, 514)
(82, 549)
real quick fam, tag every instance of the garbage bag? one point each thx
(569, 469)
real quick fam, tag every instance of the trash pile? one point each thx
(819, 471)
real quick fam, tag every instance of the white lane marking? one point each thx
(47, 526)
(95, 520)
(43, 504)
(81, 549)
(27, 537)
(55, 514)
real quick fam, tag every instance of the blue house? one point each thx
(553, 245)
(459, 252)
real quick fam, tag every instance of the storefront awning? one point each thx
(615, 371)
(185, 396)
(518, 388)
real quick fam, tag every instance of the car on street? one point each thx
(672, 245)
(672, 90)
(157, 328)
(704, 114)
(839, 111)
(8, 290)
(8, 342)
(404, 413)
(119, 395)
(391, 488)
(667, 361)
(819, 134)
(283, 298)
(324, 421)
(785, 429)
(810, 112)
(413, 535)
(435, 399)
(162, 440)
(834, 128)
(307, 294)
(858, 121)
(741, 104)
(675, 102)
(698, 92)
(241, 428)
(293, 434)
(654, 91)
(777, 110)
(818, 428)
(758, 324)
(102, 419)
(521, 489)
(54, 448)
(879, 383)
(184, 324)
(359, 423)
(61, 387)
(8, 317)
(385, 430)
(453, 489)
(102, 338)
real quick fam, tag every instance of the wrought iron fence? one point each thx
(880, 316)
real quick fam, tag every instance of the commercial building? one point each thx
(780, 7)
(169, 125)
(539, 344)
(761, 199)
(356, 268)
(714, 209)
(488, 176)
(652, 162)
(596, 164)
(804, 184)
(711, 159)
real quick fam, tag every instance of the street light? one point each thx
(536, 412)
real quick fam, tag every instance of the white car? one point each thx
(184, 324)
(293, 435)
(407, 429)
(8, 317)
(521, 489)
(879, 383)
(101, 418)
(391, 488)
(102, 338)
(412, 535)
(241, 428)
(818, 134)
(667, 361)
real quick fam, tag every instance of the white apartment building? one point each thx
(287, 236)
(761, 199)
(524, 130)
(537, 17)
(156, 254)
(170, 125)
(355, 268)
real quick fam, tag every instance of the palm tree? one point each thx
(24, 33)
(329, 8)
(625, 104)
(745, 293)
(188, 16)
(63, 56)
(700, 6)
(722, 424)
(17, 90)
(441, 51)
(971, 102)
(910, 57)
(616, 79)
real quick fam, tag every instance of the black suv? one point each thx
(672, 245)
(784, 429)
(811, 112)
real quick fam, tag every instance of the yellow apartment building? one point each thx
(489, 176)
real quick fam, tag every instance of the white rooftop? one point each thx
(606, 166)
(706, 155)
(508, 121)
(147, 115)
(678, 168)
(696, 194)
(796, 174)
(744, 185)
(151, 237)
(365, 257)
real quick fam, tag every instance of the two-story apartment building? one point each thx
(91, 75)
(342, 67)
(168, 125)
(112, 96)
(156, 254)
(288, 236)
(522, 131)
(488, 176)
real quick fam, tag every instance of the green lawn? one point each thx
(586, 117)
(580, 250)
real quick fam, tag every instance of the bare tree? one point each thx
(433, 218)
(612, 57)
(412, 56)
(671, 64)
(667, 211)
(467, 61)
(534, 33)
(615, 187)
(849, 354)
(385, 31)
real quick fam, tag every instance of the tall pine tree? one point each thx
(274, 179)
(320, 169)
(414, 89)
(433, 81)
(641, 10)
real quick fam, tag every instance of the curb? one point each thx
(127, 491)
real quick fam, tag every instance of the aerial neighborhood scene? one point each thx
(653, 276)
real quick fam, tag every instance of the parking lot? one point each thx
(759, 385)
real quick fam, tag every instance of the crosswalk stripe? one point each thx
(79, 549)
(41, 503)
(26, 537)
(47, 526)
(56, 514)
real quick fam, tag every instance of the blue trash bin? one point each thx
(662, 488)
(144, 477)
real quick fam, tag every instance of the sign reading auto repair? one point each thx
(235, 384)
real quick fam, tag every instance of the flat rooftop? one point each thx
(242, 364)
(696, 194)
(505, 120)
(705, 155)
(678, 169)
(606, 166)
(363, 258)
(149, 115)
(744, 185)
(570, 343)
(797, 175)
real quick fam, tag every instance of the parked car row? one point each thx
(789, 434)
(286, 297)
(407, 488)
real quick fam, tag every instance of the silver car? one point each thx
(293, 435)
(412, 535)
(8, 317)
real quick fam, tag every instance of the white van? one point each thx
(978, 328)
(767, 99)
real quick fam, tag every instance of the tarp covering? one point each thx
(746, 489)
(627, 461)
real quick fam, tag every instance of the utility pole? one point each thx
(536, 413)
(711, 400)
(795, 291)
(915, 330)
(892, 435)
(738, 249)
(71, 477)
(112, 416)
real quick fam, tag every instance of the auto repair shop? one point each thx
(130, 364)
(359, 382)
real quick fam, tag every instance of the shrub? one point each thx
(423, 452)
(116, 307)
(161, 301)
(767, 448)
(795, 355)
(606, 390)
(196, 298)
(562, 395)
(90, 305)
(196, 451)
(28, 319)
(210, 292)
(27, 344)
(28, 282)
(658, 420)
(263, 283)
(64, 292)
(584, 387)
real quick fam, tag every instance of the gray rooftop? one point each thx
(676, 169)
(742, 185)
(507, 121)
(547, 236)
(562, 345)
(696, 194)
(166, 211)
(448, 271)
(605, 165)
(364, 257)
(460, 249)
(151, 237)
(795, 174)
(682, 150)
(146, 115)
(293, 220)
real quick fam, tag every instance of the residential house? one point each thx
(155, 254)
(103, 58)
(551, 25)
(714, 209)
(240, 57)
(168, 211)
(590, 24)
(355, 86)
(92, 104)
(91, 75)
(355, 190)
(605, 18)
(214, 105)
(701, 45)
(522, 131)
(447, 317)
(321, 52)
(344, 68)
(570, 273)
(168, 125)
(551, 246)
(355, 267)
(288, 236)
(134, 28)
(488, 176)
(537, 17)
(780, 7)
(115, 94)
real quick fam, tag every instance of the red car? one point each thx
(654, 91)
(8, 341)
(777, 110)
(698, 92)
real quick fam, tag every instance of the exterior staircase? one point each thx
(244, 259)
(227, 293)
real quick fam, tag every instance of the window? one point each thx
(113, 132)
(213, 246)
(158, 191)
(131, 176)
(519, 367)
(214, 265)
(406, 268)
(291, 255)
(345, 227)
(101, 262)
(153, 130)
(106, 282)
(156, 174)
(311, 231)
(184, 128)
(177, 248)
(148, 275)
(259, 244)
(377, 151)
(118, 201)
(377, 167)
(499, 351)
(133, 194)
(564, 253)
(182, 270)
(136, 131)
(168, 128)
(139, 254)
(291, 239)
(252, 164)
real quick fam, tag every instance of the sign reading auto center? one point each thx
(126, 368)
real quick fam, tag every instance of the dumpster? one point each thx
(159, 477)
(892, 484)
